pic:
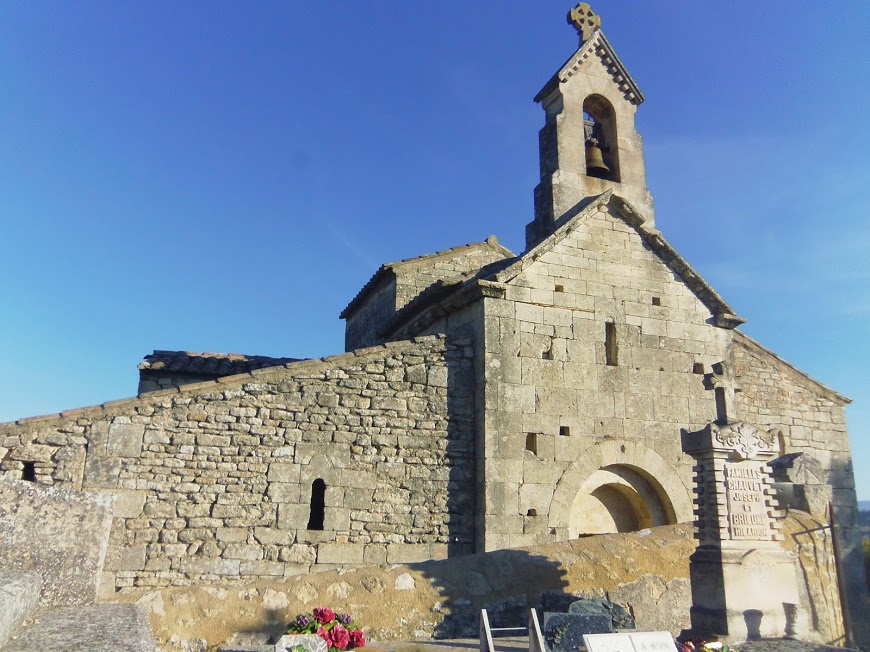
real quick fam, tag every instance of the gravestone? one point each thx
(653, 642)
(608, 643)
(634, 642)
(564, 632)
(744, 585)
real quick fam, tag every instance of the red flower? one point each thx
(340, 637)
(322, 633)
(324, 616)
(357, 638)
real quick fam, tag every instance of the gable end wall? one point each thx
(545, 368)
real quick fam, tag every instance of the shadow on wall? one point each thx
(460, 449)
(504, 582)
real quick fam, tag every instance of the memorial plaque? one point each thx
(653, 642)
(608, 643)
(748, 517)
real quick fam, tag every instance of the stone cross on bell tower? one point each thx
(584, 20)
(589, 144)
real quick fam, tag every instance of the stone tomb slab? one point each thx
(565, 632)
(653, 642)
(608, 643)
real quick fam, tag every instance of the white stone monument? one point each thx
(744, 585)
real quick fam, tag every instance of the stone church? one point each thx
(486, 400)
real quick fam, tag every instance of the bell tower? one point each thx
(589, 142)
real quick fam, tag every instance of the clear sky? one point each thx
(216, 176)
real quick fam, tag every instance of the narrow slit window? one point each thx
(318, 504)
(611, 349)
(28, 473)
(532, 443)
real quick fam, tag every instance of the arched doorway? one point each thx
(619, 498)
(619, 486)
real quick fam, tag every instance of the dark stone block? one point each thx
(564, 632)
(620, 616)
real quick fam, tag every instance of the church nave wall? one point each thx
(222, 480)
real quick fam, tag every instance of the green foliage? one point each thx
(866, 544)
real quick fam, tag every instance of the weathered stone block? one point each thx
(129, 503)
(125, 439)
(243, 551)
(293, 516)
(301, 554)
(232, 534)
(261, 568)
(76, 524)
(340, 553)
(283, 472)
(201, 566)
(125, 558)
(101, 472)
(282, 492)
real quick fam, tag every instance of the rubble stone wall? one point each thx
(216, 481)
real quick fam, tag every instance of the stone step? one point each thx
(94, 628)
(19, 597)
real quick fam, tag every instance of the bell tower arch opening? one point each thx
(601, 139)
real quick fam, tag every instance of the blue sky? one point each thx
(225, 176)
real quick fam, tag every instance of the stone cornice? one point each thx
(599, 45)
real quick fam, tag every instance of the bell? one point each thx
(595, 166)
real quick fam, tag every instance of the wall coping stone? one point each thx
(311, 366)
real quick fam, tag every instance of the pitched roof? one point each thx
(208, 364)
(451, 297)
(599, 44)
(724, 314)
(386, 269)
(744, 339)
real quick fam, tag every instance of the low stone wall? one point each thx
(647, 571)
(359, 458)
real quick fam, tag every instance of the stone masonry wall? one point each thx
(414, 278)
(813, 421)
(363, 325)
(214, 481)
(556, 413)
(408, 279)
